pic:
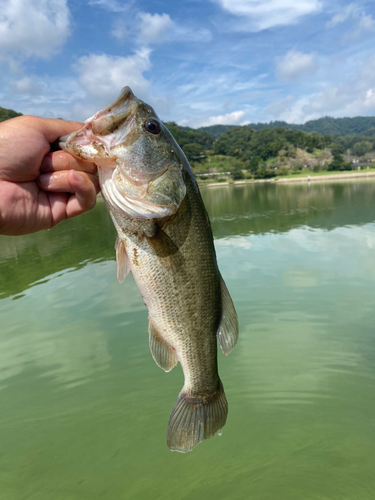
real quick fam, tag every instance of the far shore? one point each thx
(288, 180)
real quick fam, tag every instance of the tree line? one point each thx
(359, 125)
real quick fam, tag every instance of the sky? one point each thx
(197, 62)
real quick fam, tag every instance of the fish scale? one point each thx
(165, 240)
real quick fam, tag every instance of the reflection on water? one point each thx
(84, 408)
(255, 209)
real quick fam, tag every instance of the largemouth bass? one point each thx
(165, 240)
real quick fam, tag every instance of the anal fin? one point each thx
(227, 333)
(122, 260)
(164, 355)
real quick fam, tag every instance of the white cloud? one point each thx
(33, 27)
(355, 96)
(264, 14)
(103, 76)
(237, 242)
(280, 107)
(154, 27)
(44, 96)
(294, 65)
(159, 28)
(120, 30)
(228, 119)
(344, 14)
(366, 25)
(26, 85)
(110, 5)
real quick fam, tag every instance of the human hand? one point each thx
(39, 188)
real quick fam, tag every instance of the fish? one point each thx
(165, 240)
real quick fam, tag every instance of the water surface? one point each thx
(84, 409)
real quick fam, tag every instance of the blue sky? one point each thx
(197, 62)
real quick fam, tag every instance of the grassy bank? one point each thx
(303, 177)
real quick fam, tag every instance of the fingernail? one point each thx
(77, 177)
(45, 180)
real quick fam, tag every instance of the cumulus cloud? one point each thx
(33, 27)
(154, 27)
(157, 28)
(294, 65)
(228, 119)
(355, 96)
(103, 76)
(262, 14)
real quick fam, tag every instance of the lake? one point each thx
(84, 409)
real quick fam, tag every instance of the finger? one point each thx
(64, 206)
(85, 191)
(60, 160)
(53, 128)
(58, 203)
(61, 182)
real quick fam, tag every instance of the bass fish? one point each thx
(165, 240)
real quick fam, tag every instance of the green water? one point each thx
(84, 409)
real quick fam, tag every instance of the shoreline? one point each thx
(290, 180)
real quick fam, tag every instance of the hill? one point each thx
(5, 114)
(360, 125)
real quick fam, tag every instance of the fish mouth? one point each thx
(127, 185)
(62, 141)
(74, 142)
(105, 129)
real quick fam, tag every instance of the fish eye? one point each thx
(152, 126)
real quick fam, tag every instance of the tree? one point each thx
(337, 149)
(362, 147)
(237, 173)
(338, 164)
(6, 114)
(193, 150)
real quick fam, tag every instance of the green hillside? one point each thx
(360, 125)
(5, 114)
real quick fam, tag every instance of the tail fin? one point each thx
(194, 419)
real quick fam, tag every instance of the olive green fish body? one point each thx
(165, 240)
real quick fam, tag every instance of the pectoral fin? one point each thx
(227, 333)
(122, 260)
(163, 354)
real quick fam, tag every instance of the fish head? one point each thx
(139, 170)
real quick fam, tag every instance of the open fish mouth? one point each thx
(62, 141)
(139, 172)
(85, 137)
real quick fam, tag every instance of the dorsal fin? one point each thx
(227, 333)
(122, 260)
(164, 355)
